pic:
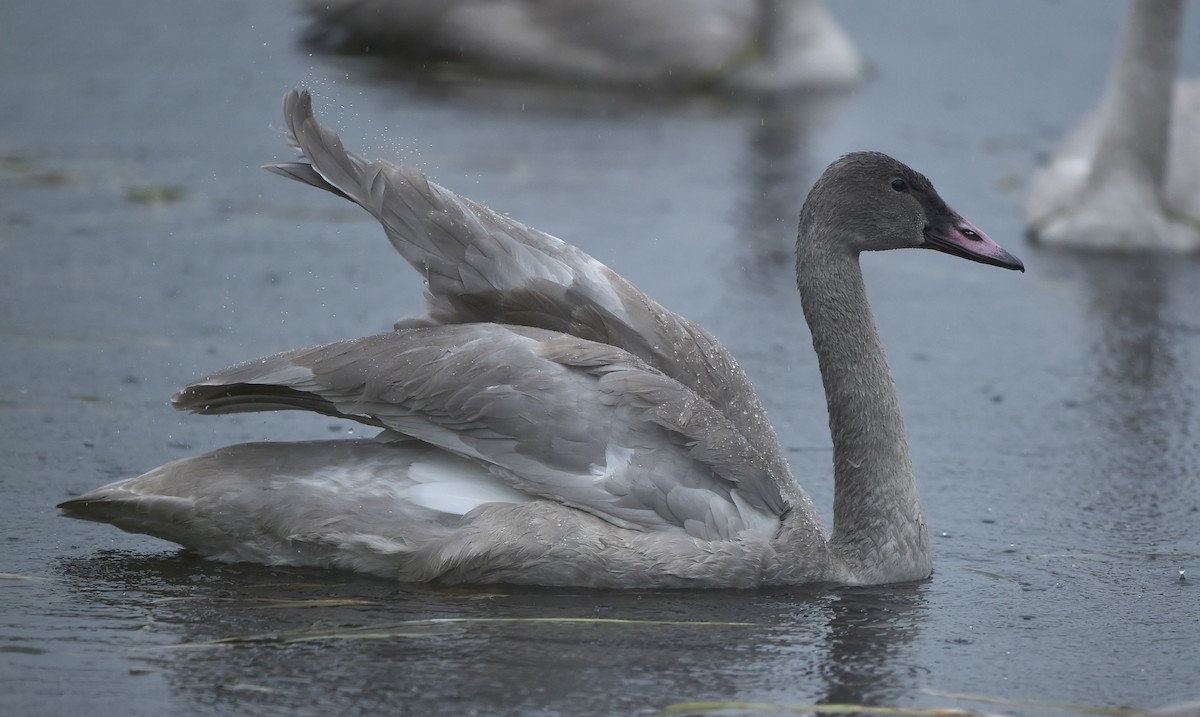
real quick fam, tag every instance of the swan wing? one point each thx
(585, 424)
(482, 266)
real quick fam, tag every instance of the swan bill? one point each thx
(963, 240)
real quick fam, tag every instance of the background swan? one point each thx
(548, 423)
(731, 44)
(1129, 176)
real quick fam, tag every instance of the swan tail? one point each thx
(363, 505)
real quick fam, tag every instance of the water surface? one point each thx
(1052, 415)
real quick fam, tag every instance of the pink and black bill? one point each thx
(955, 235)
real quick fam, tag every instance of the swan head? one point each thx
(879, 203)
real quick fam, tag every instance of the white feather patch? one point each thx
(616, 459)
(763, 524)
(455, 486)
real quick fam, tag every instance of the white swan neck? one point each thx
(1137, 105)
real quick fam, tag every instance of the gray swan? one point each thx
(1128, 178)
(548, 423)
(748, 45)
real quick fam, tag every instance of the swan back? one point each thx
(756, 45)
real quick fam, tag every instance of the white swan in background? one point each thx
(549, 423)
(754, 45)
(1128, 178)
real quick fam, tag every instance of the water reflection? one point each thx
(1143, 399)
(388, 647)
(776, 173)
(870, 632)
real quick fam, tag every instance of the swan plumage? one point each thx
(547, 422)
(752, 45)
(1128, 177)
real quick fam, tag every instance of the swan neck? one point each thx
(878, 526)
(1137, 104)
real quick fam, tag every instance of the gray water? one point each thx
(1053, 415)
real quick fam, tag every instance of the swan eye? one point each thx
(899, 185)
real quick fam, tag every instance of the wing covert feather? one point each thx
(482, 266)
(585, 424)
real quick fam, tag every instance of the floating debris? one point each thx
(21, 650)
(272, 603)
(730, 708)
(154, 195)
(431, 628)
(996, 576)
(1041, 706)
(247, 687)
(28, 173)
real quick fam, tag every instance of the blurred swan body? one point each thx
(549, 423)
(750, 45)
(1128, 178)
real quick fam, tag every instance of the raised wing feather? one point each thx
(581, 423)
(484, 267)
